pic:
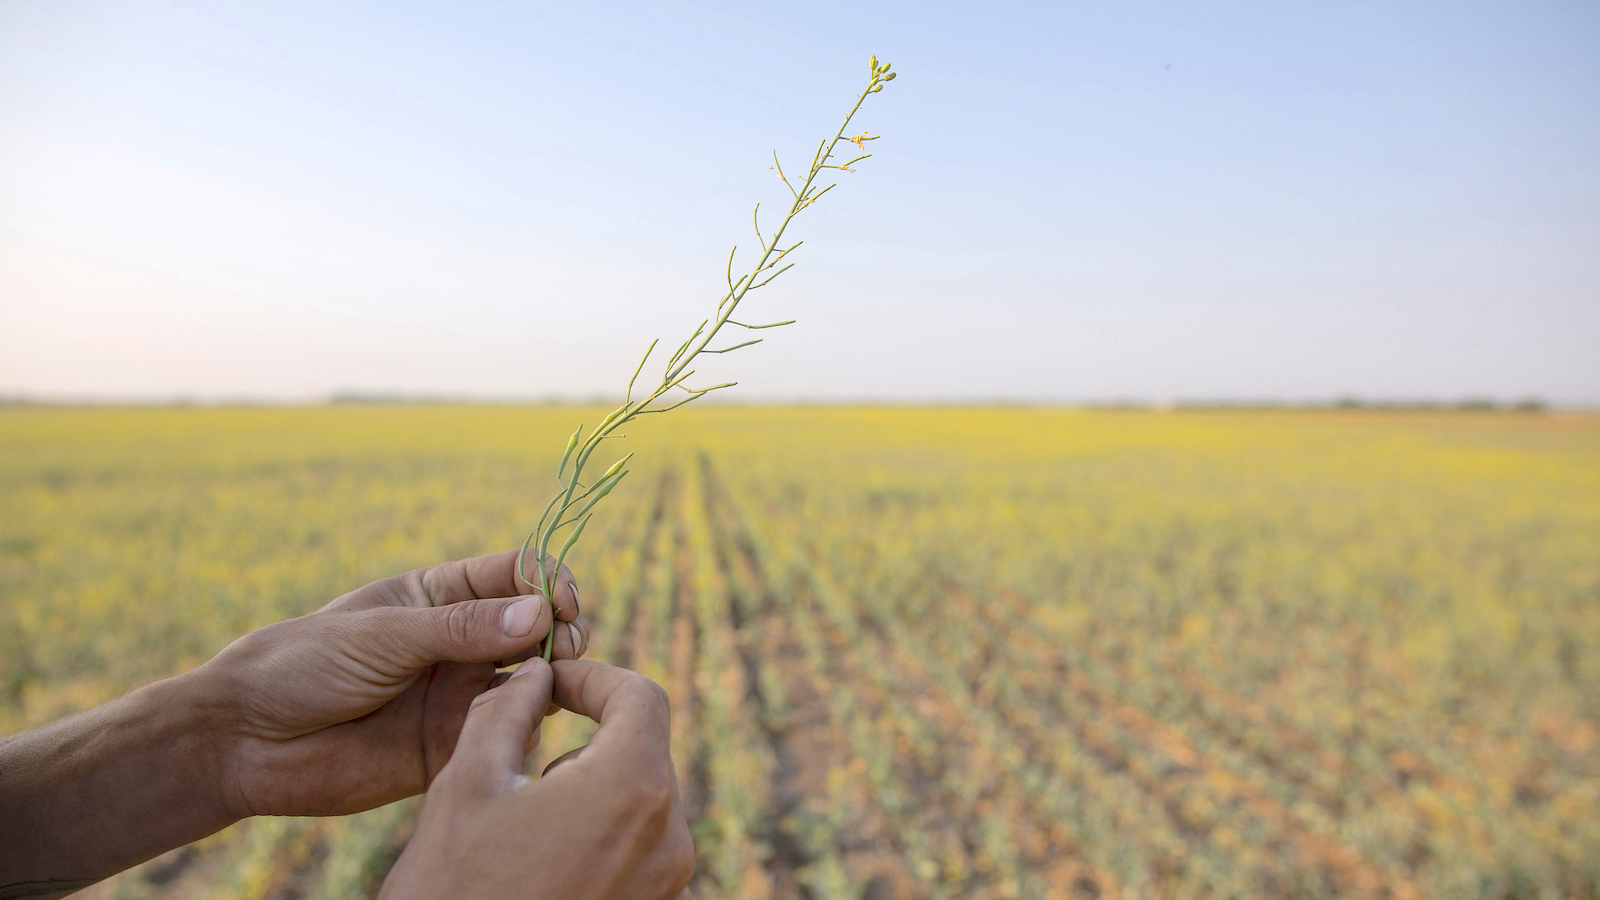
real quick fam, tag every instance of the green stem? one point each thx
(676, 370)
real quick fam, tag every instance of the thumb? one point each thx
(495, 738)
(406, 639)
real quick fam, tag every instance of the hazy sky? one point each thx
(1071, 201)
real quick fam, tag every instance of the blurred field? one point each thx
(915, 653)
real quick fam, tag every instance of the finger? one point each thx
(397, 640)
(568, 645)
(475, 578)
(495, 575)
(565, 587)
(632, 711)
(502, 677)
(581, 633)
(549, 710)
(570, 641)
(501, 729)
(565, 590)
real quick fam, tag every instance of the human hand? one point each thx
(602, 824)
(360, 703)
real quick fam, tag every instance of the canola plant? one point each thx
(916, 652)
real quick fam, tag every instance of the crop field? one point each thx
(914, 653)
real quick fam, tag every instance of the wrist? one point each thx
(97, 792)
(202, 714)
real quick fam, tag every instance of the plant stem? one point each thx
(677, 368)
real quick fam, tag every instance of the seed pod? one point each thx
(572, 444)
(615, 466)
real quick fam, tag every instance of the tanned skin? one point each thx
(357, 705)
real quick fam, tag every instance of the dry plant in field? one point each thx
(573, 505)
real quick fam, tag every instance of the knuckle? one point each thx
(655, 692)
(427, 579)
(459, 622)
(644, 807)
(653, 795)
(262, 641)
(653, 695)
(420, 586)
(269, 647)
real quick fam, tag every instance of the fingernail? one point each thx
(518, 618)
(528, 666)
(575, 598)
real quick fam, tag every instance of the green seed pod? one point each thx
(615, 466)
(572, 444)
(601, 494)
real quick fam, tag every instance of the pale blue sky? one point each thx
(1071, 201)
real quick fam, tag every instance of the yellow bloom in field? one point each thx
(1199, 653)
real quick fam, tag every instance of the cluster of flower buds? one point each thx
(880, 74)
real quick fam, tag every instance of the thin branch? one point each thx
(640, 368)
(674, 406)
(686, 343)
(735, 346)
(768, 325)
(772, 276)
(779, 167)
(693, 395)
(675, 382)
(818, 195)
(782, 253)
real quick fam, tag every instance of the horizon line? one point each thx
(1345, 402)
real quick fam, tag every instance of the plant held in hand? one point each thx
(573, 505)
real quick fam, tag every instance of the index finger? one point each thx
(495, 575)
(633, 711)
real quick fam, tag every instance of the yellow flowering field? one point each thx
(914, 653)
